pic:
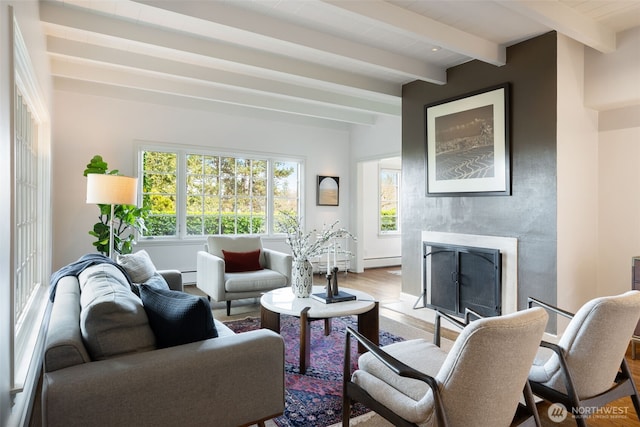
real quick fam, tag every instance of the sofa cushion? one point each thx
(235, 262)
(215, 245)
(138, 265)
(64, 346)
(113, 321)
(177, 318)
(253, 281)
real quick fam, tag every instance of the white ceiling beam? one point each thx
(72, 17)
(427, 29)
(209, 76)
(97, 89)
(150, 83)
(567, 21)
(222, 13)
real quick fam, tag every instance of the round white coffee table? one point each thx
(282, 301)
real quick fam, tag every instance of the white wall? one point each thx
(371, 143)
(619, 222)
(85, 125)
(383, 140)
(612, 86)
(612, 79)
(598, 175)
(378, 250)
(577, 181)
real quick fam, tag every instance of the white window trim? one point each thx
(28, 343)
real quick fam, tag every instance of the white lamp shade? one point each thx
(111, 189)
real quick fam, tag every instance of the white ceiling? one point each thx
(339, 60)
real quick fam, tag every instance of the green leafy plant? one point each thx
(128, 219)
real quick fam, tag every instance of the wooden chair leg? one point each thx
(261, 424)
(530, 405)
(228, 308)
(346, 411)
(635, 399)
(636, 404)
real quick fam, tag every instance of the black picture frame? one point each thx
(328, 191)
(468, 144)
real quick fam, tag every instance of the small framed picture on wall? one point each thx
(328, 192)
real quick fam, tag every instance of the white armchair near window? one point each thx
(231, 269)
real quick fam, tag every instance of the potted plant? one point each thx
(128, 218)
(305, 246)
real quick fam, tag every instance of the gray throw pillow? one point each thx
(138, 265)
(156, 281)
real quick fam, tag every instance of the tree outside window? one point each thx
(389, 200)
(222, 194)
(160, 192)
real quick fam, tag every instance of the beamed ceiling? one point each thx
(343, 61)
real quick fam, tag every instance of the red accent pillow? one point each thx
(236, 262)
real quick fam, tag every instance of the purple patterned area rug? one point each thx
(314, 399)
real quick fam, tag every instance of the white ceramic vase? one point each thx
(301, 278)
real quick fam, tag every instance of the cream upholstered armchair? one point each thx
(479, 382)
(586, 369)
(237, 267)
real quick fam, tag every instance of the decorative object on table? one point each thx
(334, 284)
(301, 277)
(332, 292)
(116, 197)
(304, 247)
(470, 130)
(341, 296)
(328, 193)
(329, 285)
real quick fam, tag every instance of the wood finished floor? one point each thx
(385, 285)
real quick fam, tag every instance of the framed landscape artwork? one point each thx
(328, 193)
(468, 144)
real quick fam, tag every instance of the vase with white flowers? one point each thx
(305, 246)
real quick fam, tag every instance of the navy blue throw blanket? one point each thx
(78, 267)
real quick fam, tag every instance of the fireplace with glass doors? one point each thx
(459, 277)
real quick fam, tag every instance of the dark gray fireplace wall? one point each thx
(529, 214)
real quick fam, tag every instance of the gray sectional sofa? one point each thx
(102, 366)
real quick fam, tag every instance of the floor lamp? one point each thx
(111, 190)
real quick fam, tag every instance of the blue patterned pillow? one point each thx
(176, 317)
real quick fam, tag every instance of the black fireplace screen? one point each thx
(458, 277)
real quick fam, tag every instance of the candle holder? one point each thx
(329, 287)
(335, 291)
(332, 294)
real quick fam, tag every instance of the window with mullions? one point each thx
(226, 195)
(160, 192)
(389, 200)
(215, 194)
(286, 184)
(29, 263)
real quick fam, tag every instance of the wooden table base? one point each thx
(368, 325)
